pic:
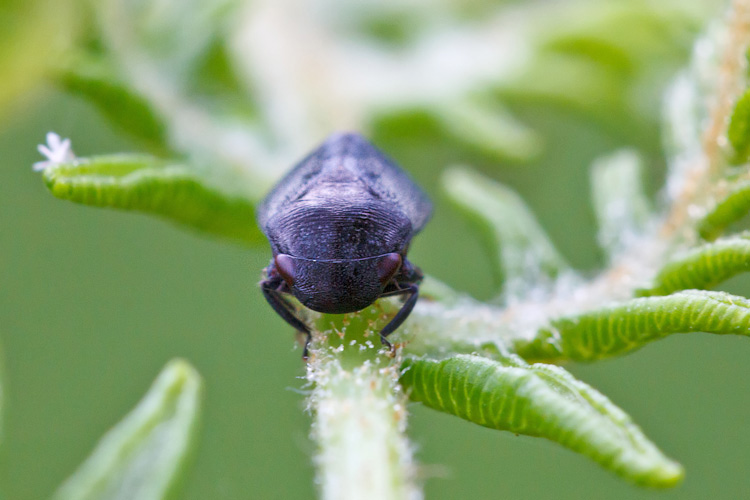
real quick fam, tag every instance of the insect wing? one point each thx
(290, 188)
(390, 183)
(359, 159)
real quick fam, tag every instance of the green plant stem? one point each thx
(359, 413)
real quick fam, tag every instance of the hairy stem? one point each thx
(730, 81)
(698, 170)
(359, 413)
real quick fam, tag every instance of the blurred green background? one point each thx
(94, 302)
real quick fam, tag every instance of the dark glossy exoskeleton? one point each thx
(340, 224)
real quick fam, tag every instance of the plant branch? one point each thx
(730, 81)
(359, 413)
(719, 58)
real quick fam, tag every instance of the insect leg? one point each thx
(413, 291)
(284, 309)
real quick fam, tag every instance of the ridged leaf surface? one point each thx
(623, 327)
(144, 455)
(703, 267)
(143, 183)
(544, 401)
(520, 250)
(727, 210)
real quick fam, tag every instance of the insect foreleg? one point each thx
(412, 290)
(284, 309)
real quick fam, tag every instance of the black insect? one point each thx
(340, 224)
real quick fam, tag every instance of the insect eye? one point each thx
(285, 267)
(388, 266)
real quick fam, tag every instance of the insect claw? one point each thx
(391, 347)
(306, 348)
(392, 351)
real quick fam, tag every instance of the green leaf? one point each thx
(729, 209)
(216, 84)
(703, 267)
(487, 126)
(544, 401)
(144, 455)
(738, 132)
(521, 252)
(172, 190)
(620, 204)
(581, 87)
(611, 56)
(630, 325)
(92, 79)
(624, 37)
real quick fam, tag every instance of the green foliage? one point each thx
(620, 328)
(91, 79)
(485, 125)
(600, 66)
(738, 132)
(703, 267)
(521, 253)
(144, 455)
(622, 208)
(600, 60)
(169, 189)
(730, 208)
(540, 400)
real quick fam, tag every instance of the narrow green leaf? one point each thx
(215, 83)
(600, 54)
(118, 102)
(624, 37)
(738, 132)
(143, 183)
(729, 209)
(144, 455)
(581, 87)
(620, 204)
(703, 267)
(684, 116)
(543, 401)
(624, 327)
(490, 128)
(603, 51)
(521, 252)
